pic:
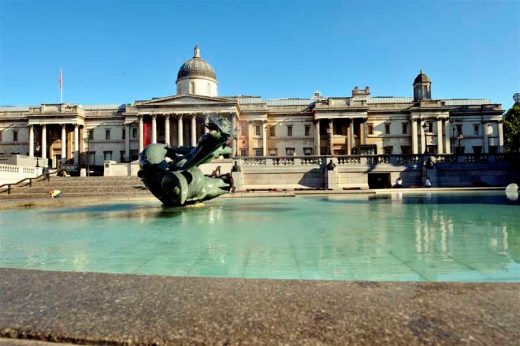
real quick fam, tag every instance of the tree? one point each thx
(512, 129)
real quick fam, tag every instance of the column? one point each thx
(141, 134)
(127, 142)
(154, 128)
(264, 139)
(362, 132)
(234, 134)
(44, 141)
(31, 140)
(447, 143)
(193, 130)
(350, 137)
(206, 121)
(485, 140)
(415, 150)
(167, 129)
(423, 140)
(329, 135)
(317, 140)
(76, 144)
(439, 136)
(180, 134)
(500, 137)
(63, 144)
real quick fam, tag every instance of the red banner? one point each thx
(147, 133)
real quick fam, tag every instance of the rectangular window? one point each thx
(123, 133)
(387, 129)
(272, 131)
(477, 150)
(307, 151)
(15, 136)
(405, 128)
(459, 129)
(257, 130)
(107, 134)
(259, 152)
(91, 157)
(430, 127)
(134, 154)
(289, 130)
(406, 150)
(107, 155)
(289, 151)
(370, 129)
(122, 156)
(90, 134)
(307, 130)
(388, 150)
(134, 132)
(476, 129)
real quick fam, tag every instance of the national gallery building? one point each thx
(357, 124)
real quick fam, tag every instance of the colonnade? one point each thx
(63, 141)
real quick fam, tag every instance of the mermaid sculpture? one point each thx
(172, 173)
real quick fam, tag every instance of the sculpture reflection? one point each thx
(172, 173)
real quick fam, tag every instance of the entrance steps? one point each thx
(86, 187)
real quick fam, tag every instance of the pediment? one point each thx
(184, 100)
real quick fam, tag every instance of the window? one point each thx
(123, 133)
(307, 151)
(273, 152)
(388, 150)
(272, 131)
(107, 134)
(289, 151)
(493, 149)
(431, 149)
(289, 130)
(134, 154)
(307, 130)
(387, 129)
(134, 132)
(91, 157)
(459, 129)
(406, 150)
(122, 156)
(430, 127)
(477, 150)
(257, 130)
(90, 134)
(243, 151)
(107, 155)
(338, 128)
(476, 129)
(259, 152)
(405, 128)
(15, 136)
(370, 129)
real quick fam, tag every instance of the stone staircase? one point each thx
(82, 187)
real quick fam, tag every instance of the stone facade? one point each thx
(357, 124)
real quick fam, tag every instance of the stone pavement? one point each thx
(94, 308)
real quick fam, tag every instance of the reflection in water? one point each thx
(395, 237)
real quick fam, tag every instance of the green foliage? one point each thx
(512, 129)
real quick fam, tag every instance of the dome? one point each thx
(422, 78)
(196, 67)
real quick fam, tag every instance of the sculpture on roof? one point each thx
(172, 173)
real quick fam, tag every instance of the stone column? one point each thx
(329, 135)
(154, 128)
(193, 130)
(500, 137)
(141, 134)
(415, 149)
(350, 137)
(127, 142)
(63, 144)
(423, 140)
(362, 132)
(447, 143)
(264, 139)
(44, 141)
(76, 144)
(167, 129)
(31, 140)
(485, 140)
(180, 134)
(317, 140)
(439, 136)
(206, 120)
(234, 133)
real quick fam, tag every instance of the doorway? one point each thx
(379, 181)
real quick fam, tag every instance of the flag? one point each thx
(61, 79)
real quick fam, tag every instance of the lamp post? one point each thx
(460, 137)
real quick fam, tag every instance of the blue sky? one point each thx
(121, 51)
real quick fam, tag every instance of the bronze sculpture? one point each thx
(172, 173)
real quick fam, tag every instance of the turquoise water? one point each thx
(396, 237)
